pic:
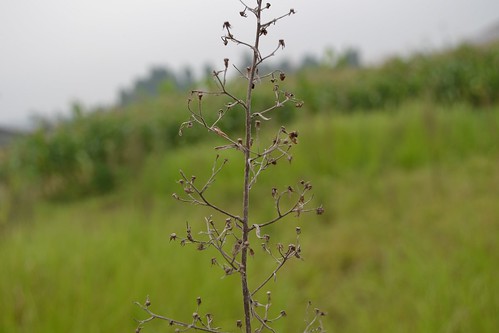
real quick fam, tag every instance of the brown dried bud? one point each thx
(283, 313)
(195, 316)
(243, 13)
(292, 136)
(251, 252)
(274, 192)
(267, 5)
(319, 210)
(213, 261)
(239, 323)
(281, 43)
(137, 330)
(198, 301)
(292, 11)
(225, 41)
(257, 123)
(226, 62)
(298, 230)
(200, 95)
(263, 31)
(175, 196)
(299, 104)
(148, 302)
(282, 76)
(173, 236)
(226, 25)
(240, 141)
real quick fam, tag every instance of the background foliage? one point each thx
(404, 156)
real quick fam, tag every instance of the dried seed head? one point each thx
(263, 31)
(148, 302)
(298, 230)
(175, 196)
(267, 5)
(226, 25)
(282, 76)
(239, 323)
(292, 11)
(243, 13)
(198, 301)
(283, 313)
(195, 315)
(319, 210)
(257, 123)
(173, 236)
(213, 261)
(137, 330)
(299, 104)
(226, 63)
(281, 43)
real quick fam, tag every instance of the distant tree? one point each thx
(309, 61)
(158, 80)
(349, 58)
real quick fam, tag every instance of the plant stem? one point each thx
(247, 169)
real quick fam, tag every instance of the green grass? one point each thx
(408, 242)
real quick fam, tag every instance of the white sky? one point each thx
(53, 52)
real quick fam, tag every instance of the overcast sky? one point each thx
(53, 52)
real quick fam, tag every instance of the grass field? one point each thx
(408, 242)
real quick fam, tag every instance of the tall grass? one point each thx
(408, 243)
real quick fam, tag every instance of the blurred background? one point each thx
(399, 135)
